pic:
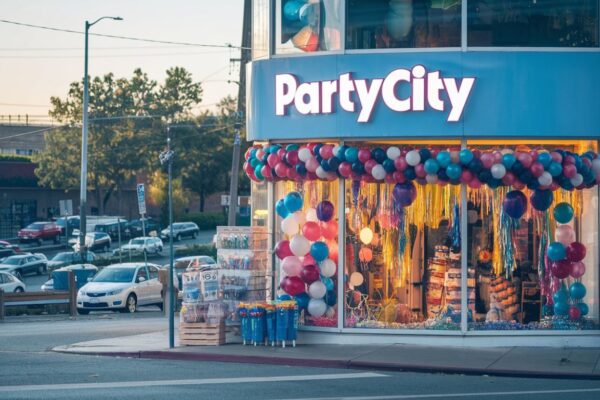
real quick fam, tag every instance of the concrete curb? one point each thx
(323, 363)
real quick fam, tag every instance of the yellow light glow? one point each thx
(366, 235)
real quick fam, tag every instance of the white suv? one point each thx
(141, 245)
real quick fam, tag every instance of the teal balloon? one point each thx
(561, 308)
(556, 251)
(431, 166)
(281, 209)
(292, 146)
(274, 148)
(254, 162)
(466, 156)
(328, 283)
(302, 300)
(508, 160)
(561, 296)
(453, 171)
(563, 213)
(444, 159)
(545, 159)
(555, 169)
(257, 172)
(330, 298)
(293, 201)
(583, 308)
(319, 251)
(577, 290)
(351, 154)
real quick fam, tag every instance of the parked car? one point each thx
(182, 264)
(141, 245)
(94, 241)
(49, 284)
(121, 287)
(65, 258)
(112, 228)
(38, 232)
(7, 249)
(150, 225)
(10, 283)
(68, 224)
(22, 264)
(181, 230)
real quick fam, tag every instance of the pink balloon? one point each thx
(508, 179)
(281, 170)
(282, 249)
(577, 269)
(292, 157)
(564, 234)
(554, 186)
(569, 159)
(497, 157)
(569, 170)
(400, 163)
(345, 169)
(364, 155)
(399, 177)
(311, 231)
(525, 159)
(312, 164)
(466, 176)
(369, 164)
(475, 183)
(389, 178)
(518, 185)
(557, 157)
(329, 229)
(266, 172)
(291, 265)
(308, 260)
(487, 159)
(281, 153)
(326, 151)
(534, 155)
(537, 169)
(420, 171)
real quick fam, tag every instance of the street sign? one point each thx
(141, 198)
(66, 207)
(224, 200)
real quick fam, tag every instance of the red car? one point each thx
(40, 231)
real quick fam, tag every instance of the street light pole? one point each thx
(84, 140)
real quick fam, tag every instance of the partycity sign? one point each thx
(426, 90)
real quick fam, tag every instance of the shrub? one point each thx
(14, 158)
(207, 221)
(197, 250)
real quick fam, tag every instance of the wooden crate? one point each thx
(201, 334)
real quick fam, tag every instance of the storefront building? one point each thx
(429, 169)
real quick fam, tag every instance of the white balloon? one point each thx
(356, 279)
(299, 217)
(366, 235)
(498, 171)
(289, 225)
(311, 215)
(577, 180)
(378, 172)
(317, 290)
(299, 245)
(393, 152)
(335, 150)
(312, 166)
(545, 179)
(431, 178)
(316, 307)
(304, 154)
(321, 173)
(327, 267)
(413, 158)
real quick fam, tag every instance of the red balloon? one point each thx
(310, 274)
(508, 179)
(273, 160)
(282, 249)
(345, 169)
(525, 159)
(537, 169)
(400, 163)
(292, 157)
(364, 155)
(292, 174)
(577, 269)
(574, 312)
(311, 231)
(308, 260)
(399, 177)
(575, 252)
(281, 170)
(569, 170)
(266, 172)
(329, 229)
(292, 285)
(326, 151)
(466, 176)
(420, 171)
(369, 164)
(248, 168)
(561, 269)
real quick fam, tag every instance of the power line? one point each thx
(49, 28)
(80, 48)
(50, 57)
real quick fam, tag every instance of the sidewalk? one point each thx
(575, 363)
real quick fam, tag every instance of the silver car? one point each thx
(22, 264)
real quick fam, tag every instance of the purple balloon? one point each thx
(405, 194)
(515, 204)
(324, 210)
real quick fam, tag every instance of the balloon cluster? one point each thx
(309, 254)
(537, 169)
(301, 24)
(566, 256)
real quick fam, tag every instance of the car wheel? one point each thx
(19, 289)
(131, 304)
(178, 237)
(82, 311)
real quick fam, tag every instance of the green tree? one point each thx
(158, 194)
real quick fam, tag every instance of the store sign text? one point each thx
(425, 92)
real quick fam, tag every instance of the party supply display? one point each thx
(264, 323)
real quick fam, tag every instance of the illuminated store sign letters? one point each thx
(425, 92)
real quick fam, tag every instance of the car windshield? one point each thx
(12, 261)
(63, 257)
(36, 226)
(115, 275)
(137, 241)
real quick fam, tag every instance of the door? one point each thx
(154, 285)
(142, 286)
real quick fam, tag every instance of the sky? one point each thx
(36, 64)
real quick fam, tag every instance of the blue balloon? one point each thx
(555, 169)
(583, 308)
(453, 171)
(330, 298)
(475, 166)
(291, 10)
(577, 290)
(561, 296)
(515, 204)
(334, 163)
(325, 165)
(508, 160)
(328, 282)
(561, 308)
(302, 300)
(378, 154)
(547, 310)
(431, 166)
(556, 251)
(425, 154)
(301, 169)
(358, 168)
(466, 156)
(410, 174)
(563, 212)
(541, 199)
(389, 166)
(443, 158)
(351, 154)
(293, 201)
(545, 159)
(284, 297)
(254, 162)
(281, 209)
(274, 148)
(319, 251)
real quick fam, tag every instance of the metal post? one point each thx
(233, 185)
(119, 233)
(144, 236)
(84, 145)
(171, 286)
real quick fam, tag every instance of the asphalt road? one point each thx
(28, 370)
(34, 282)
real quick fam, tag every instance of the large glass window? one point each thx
(260, 28)
(381, 24)
(308, 26)
(533, 23)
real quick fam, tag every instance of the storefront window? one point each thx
(308, 26)
(259, 204)
(383, 24)
(260, 28)
(535, 251)
(306, 232)
(541, 23)
(403, 256)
